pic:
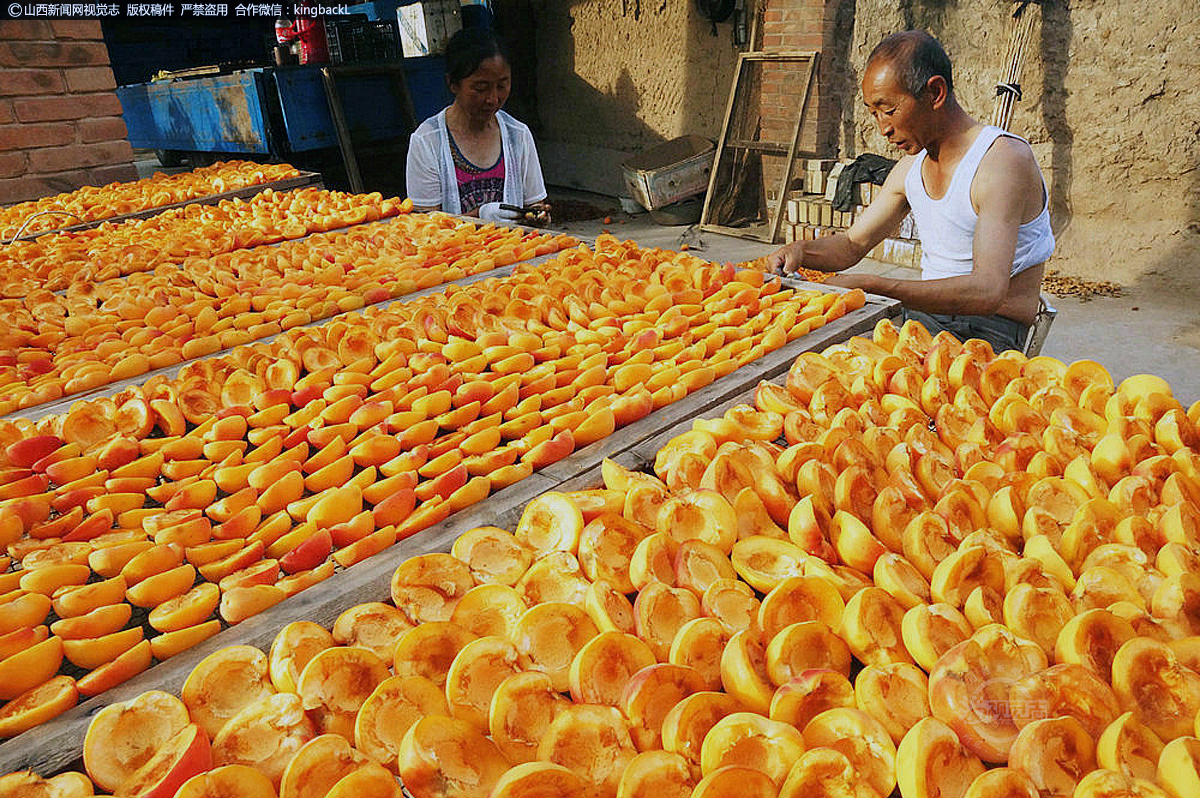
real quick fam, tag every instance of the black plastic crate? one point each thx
(353, 40)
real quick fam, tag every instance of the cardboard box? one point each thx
(425, 27)
(793, 211)
(832, 179)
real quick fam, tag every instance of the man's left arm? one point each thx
(999, 194)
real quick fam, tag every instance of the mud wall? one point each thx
(619, 76)
(1111, 105)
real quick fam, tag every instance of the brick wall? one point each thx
(790, 26)
(806, 25)
(60, 121)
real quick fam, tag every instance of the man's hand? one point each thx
(787, 259)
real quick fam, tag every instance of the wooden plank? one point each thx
(770, 148)
(766, 367)
(54, 745)
(303, 180)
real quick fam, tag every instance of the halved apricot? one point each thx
(224, 683)
(765, 562)
(746, 739)
(318, 765)
(1142, 667)
(659, 611)
(374, 626)
(522, 708)
(1130, 747)
(931, 761)
(443, 755)
(124, 736)
(391, 709)
(600, 670)
(184, 755)
(863, 741)
(541, 778)
(187, 609)
(241, 780)
(1054, 753)
(591, 740)
(265, 734)
(606, 546)
(335, 683)
(556, 576)
(293, 647)
(427, 586)
(871, 626)
(701, 514)
(38, 705)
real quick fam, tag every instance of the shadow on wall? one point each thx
(843, 79)
(1056, 33)
(613, 116)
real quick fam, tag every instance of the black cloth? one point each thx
(866, 168)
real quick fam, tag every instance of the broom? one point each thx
(1008, 90)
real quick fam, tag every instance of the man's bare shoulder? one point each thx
(1011, 158)
(1009, 173)
(899, 172)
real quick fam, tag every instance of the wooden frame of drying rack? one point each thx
(791, 149)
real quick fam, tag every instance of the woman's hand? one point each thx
(786, 259)
(538, 214)
(492, 212)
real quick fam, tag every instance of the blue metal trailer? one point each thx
(281, 110)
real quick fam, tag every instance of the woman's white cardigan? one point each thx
(430, 170)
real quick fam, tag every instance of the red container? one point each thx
(313, 47)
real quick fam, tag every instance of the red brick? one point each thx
(59, 159)
(52, 54)
(32, 187)
(48, 109)
(90, 79)
(26, 29)
(77, 29)
(115, 173)
(108, 128)
(6, 112)
(12, 164)
(22, 137)
(31, 81)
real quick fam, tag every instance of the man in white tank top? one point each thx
(976, 194)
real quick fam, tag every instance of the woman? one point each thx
(471, 157)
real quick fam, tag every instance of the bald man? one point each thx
(976, 194)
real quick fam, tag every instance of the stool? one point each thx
(1040, 327)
